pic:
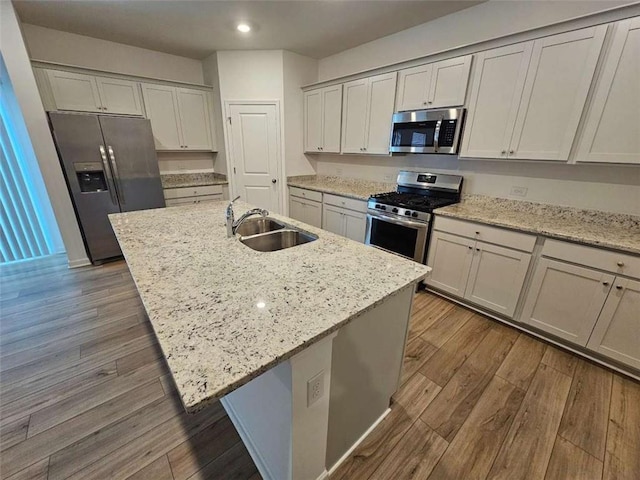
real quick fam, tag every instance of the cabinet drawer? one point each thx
(190, 200)
(170, 193)
(607, 260)
(308, 194)
(344, 202)
(498, 236)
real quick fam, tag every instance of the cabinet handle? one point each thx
(477, 249)
(620, 264)
(365, 149)
(470, 247)
(424, 103)
(430, 102)
(511, 152)
(502, 152)
(477, 233)
(605, 283)
(619, 287)
(104, 108)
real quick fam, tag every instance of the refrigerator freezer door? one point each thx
(133, 161)
(79, 140)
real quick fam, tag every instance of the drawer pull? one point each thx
(477, 249)
(477, 233)
(619, 287)
(620, 264)
(605, 283)
(470, 247)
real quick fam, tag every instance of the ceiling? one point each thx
(195, 29)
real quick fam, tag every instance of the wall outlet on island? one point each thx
(315, 389)
(519, 191)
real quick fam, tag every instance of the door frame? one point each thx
(280, 174)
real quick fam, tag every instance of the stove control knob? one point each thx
(394, 210)
(407, 213)
(378, 206)
(414, 214)
(383, 207)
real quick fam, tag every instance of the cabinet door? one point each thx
(450, 258)
(355, 225)
(382, 94)
(354, 115)
(313, 121)
(74, 91)
(449, 81)
(413, 88)
(195, 125)
(119, 96)
(558, 80)
(331, 118)
(306, 211)
(296, 208)
(612, 129)
(617, 333)
(161, 106)
(495, 96)
(565, 300)
(333, 219)
(497, 277)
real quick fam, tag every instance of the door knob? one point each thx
(273, 180)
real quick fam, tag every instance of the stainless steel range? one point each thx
(400, 221)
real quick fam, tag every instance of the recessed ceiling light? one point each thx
(243, 27)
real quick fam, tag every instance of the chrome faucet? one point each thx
(232, 224)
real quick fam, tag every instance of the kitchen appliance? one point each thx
(400, 221)
(427, 131)
(110, 166)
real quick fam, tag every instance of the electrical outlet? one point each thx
(389, 178)
(339, 172)
(519, 191)
(315, 389)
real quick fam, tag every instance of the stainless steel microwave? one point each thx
(427, 131)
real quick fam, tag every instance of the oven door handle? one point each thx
(402, 222)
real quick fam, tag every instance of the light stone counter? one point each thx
(589, 227)
(178, 180)
(224, 313)
(347, 187)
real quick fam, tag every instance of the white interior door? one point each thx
(254, 153)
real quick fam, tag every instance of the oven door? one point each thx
(401, 236)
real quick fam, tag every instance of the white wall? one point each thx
(298, 71)
(82, 51)
(26, 92)
(480, 23)
(600, 187)
(251, 75)
(211, 77)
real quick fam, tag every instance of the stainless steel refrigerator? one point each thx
(111, 166)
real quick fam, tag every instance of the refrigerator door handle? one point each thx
(114, 165)
(107, 173)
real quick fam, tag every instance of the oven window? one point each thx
(414, 134)
(392, 237)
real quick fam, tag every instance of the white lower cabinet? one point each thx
(345, 222)
(617, 332)
(306, 211)
(565, 300)
(487, 275)
(189, 195)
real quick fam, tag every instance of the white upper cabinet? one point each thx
(322, 116)
(612, 129)
(366, 116)
(527, 99)
(195, 119)
(87, 93)
(495, 96)
(555, 91)
(180, 117)
(435, 85)
(74, 91)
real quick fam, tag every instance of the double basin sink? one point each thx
(266, 234)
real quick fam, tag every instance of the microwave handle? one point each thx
(436, 135)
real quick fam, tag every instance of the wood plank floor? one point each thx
(85, 394)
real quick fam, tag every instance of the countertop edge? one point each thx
(331, 191)
(545, 233)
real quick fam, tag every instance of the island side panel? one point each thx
(366, 368)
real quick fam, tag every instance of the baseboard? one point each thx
(80, 262)
(358, 442)
(246, 439)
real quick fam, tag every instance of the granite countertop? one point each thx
(224, 313)
(347, 187)
(177, 180)
(589, 227)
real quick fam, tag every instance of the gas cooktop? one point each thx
(414, 201)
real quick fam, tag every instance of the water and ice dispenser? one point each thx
(91, 177)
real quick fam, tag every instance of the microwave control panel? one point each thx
(447, 133)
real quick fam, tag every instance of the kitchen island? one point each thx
(303, 346)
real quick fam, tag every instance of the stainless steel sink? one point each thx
(278, 240)
(254, 226)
